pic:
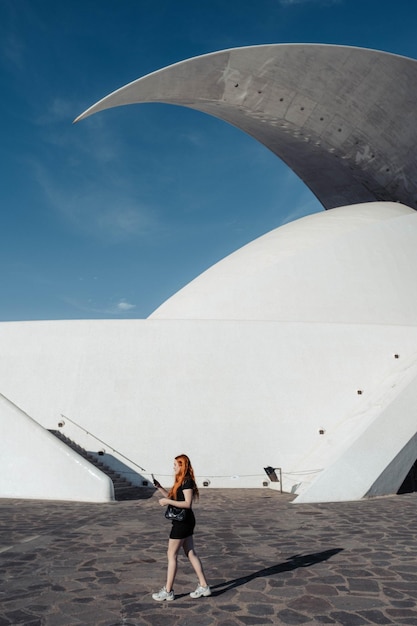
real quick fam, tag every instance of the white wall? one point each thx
(285, 333)
(379, 451)
(35, 464)
(235, 396)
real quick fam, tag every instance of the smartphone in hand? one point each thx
(155, 482)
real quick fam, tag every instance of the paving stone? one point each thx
(401, 613)
(363, 585)
(260, 609)
(348, 619)
(375, 617)
(310, 604)
(292, 617)
(251, 620)
(317, 589)
(20, 617)
(269, 562)
(356, 602)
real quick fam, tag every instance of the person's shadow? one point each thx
(291, 563)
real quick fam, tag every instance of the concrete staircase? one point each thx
(123, 488)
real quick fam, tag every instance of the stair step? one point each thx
(122, 486)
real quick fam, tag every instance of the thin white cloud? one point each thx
(14, 47)
(59, 109)
(125, 306)
(119, 221)
(194, 138)
(113, 309)
(108, 217)
(296, 200)
(111, 215)
(302, 208)
(97, 141)
(13, 51)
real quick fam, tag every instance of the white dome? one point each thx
(353, 264)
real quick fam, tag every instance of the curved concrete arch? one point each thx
(344, 119)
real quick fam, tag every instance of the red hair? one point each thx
(185, 471)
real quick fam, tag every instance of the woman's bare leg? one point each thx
(189, 550)
(174, 546)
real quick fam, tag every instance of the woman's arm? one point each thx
(181, 504)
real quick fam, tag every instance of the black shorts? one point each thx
(182, 530)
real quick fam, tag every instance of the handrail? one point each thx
(103, 442)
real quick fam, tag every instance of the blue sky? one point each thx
(109, 217)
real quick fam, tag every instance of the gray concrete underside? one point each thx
(344, 119)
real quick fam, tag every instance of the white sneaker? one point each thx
(163, 594)
(201, 591)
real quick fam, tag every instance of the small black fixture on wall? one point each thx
(271, 472)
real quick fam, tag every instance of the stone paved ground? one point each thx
(269, 562)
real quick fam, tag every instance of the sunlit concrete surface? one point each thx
(298, 351)
(323, 386)
(36, 464)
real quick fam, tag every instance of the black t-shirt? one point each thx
(181, 530)
(187, 484)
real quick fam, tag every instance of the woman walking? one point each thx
(181, 495)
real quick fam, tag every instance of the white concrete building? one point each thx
(298, 351)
